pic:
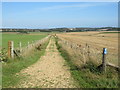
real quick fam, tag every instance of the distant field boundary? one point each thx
(111, 32)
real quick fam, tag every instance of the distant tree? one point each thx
(24, 32)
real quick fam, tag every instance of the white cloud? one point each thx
(83, 5)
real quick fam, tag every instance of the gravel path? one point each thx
(49, 72)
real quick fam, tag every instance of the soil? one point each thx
(50, 71)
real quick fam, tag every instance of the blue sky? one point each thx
(59, 14)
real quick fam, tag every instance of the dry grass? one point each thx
(48, 72)
(96, 42)
(87, 75)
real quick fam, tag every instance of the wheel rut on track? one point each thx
(48, 72)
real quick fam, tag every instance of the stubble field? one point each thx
(96, 42)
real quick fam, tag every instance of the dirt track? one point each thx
(49, 72)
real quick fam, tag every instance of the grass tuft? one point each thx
(12, 67)
(89, 76)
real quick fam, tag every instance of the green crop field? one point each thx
(23, 38)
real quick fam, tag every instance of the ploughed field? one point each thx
(96, 42)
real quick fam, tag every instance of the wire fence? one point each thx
(21, 51)
(82, 53)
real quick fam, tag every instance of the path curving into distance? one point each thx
(48, 72)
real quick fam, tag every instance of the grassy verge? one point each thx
(12, 67)
(89, 76)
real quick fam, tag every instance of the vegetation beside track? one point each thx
(89, 75)
(12, 67)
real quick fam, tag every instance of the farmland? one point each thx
(84, 61)
(23, 38)
(96, 41)
(63, 60)
(59, 45)
(13, 66)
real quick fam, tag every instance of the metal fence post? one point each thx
(104, 59)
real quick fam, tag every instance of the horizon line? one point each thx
(58, 27)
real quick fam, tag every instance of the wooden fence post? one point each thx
(20, 45)
(88, 52)
(71, 45)
(10, 49)
(32, 43)
(104, 59)
(28, 44)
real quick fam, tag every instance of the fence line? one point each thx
(23, 51)
(34, 44)
(87, 52)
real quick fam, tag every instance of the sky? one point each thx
(59, 14)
